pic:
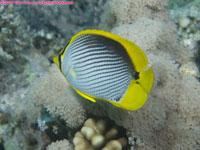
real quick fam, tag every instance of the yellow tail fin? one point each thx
(146, 79)
(137, 92)
(134, 98)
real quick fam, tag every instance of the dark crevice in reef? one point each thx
(57, 128)
(61, 130)
(1, 146)
(197, 57)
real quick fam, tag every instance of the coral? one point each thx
(151, 28)
(17, 120)
(96, 134)
(63, 102)
(154, 24)
(170, 99)
(60, 145)
(169, 119)
(171, 111)
(9, 103)
(5, 55)
(155, 122)
(178, 3)
(187, 20)
(123, 11)
(18, 144)
(10, 44)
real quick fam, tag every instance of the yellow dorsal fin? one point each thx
(138, 57)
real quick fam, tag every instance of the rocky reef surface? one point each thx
(38, 108)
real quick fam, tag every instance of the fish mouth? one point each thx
(56, 61)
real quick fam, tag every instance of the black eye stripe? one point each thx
(59, 56)
(66, 45)
(59, 59)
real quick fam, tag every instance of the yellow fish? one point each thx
(102, 66)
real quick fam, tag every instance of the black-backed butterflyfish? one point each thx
(102, 66)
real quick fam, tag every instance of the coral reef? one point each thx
(17, 120)
(123, 11)
(187, 20)
(29, 37)
(95, 134)
(169, 119)
(150, 18)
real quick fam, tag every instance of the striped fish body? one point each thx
(102, 66)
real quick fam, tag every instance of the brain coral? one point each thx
(98, 134)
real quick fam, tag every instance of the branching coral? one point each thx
(96, 134)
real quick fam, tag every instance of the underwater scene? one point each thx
(100, 75)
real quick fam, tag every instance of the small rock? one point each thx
(49, 36)
(189, 68)
(184, 22)
(5, 55)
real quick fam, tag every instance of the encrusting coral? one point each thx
(128, 11)
(60, 145)
(55, 102)
(95, 135)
